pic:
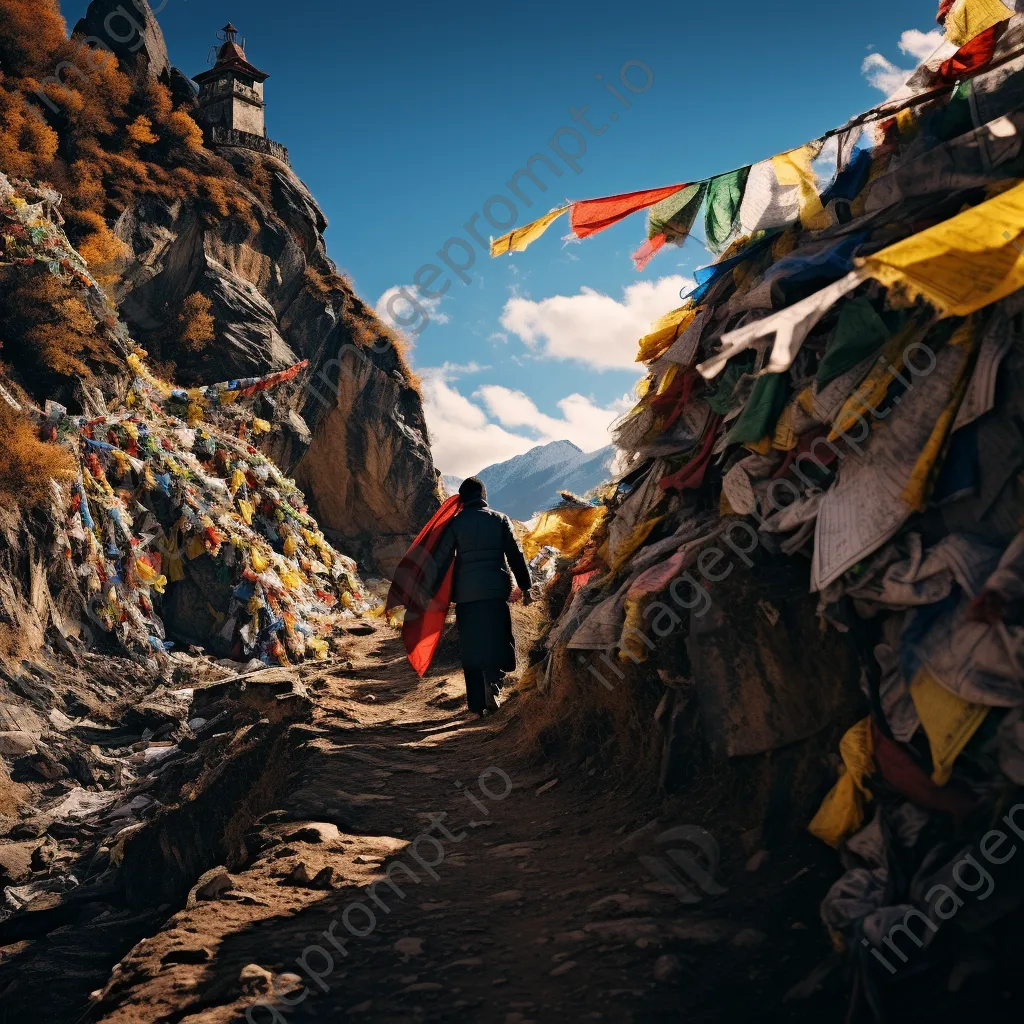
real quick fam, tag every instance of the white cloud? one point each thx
(884, 75)
(590, 327)
(920, 45)
(455, 369)
(465, 438)
(404, 309)
(582, 421)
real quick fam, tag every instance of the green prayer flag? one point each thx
(859, 332)
(763, 409)
(725, 194)
(673, 217)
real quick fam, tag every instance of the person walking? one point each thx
(481, 541)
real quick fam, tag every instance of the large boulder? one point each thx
(130, 29)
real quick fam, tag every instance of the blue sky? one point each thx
(405, 118)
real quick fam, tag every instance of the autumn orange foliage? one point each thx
(27, 464)
(70, 117)
(195, 322)
(51, 335)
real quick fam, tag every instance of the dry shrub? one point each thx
(28, 466)
(101, 248)
(575, 712)
(140, 131)
(182, 130)
(14, 644)
(31, 31)
(50, 335)
(321, 286)
(253, 171)
(367, 331)
(27, 142)
(195, 322)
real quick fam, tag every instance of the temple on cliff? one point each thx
(231, 104)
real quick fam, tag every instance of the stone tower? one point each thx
(231, 102)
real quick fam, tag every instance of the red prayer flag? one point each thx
(593, 215)
(691, 474)
(906, 776)
(424, 612)
(975, 54)
(648, 251)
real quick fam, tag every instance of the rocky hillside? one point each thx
(217, 263)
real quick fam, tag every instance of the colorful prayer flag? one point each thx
(520, 238)
(963, 263)
(593, 215)
(969, 18)
(721, 214)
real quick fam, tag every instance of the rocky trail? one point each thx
(516, 890)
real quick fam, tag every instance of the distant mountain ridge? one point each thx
(530, 482)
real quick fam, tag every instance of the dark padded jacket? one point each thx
(481, 538)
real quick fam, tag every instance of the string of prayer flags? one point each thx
(518, 239)
(592, 215)
(784, 189)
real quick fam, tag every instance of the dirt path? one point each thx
(512, 898)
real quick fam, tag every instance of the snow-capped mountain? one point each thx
(531, 482)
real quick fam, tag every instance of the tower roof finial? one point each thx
(231, 57)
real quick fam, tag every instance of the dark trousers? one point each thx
(477, 681)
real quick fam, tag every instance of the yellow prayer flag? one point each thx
(948, 721)
(960, 264)
(640, 533)
(969, 18)
(195, 547)
(568, 529)
(872, 390)
(842, 810)
(929, 462)
(666, 380)
(785, 436)
(794, 168)
(518, 239)
(665, 330)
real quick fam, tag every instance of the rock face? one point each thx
(368, 466)
(131, 31)
(354, 434)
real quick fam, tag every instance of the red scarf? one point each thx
(424, 612)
